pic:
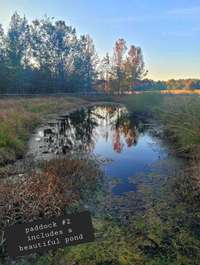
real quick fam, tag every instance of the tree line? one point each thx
(47, 56)
(172, 84)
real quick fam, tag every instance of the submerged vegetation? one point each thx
(153, 230)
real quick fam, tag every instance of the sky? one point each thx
(167, 31)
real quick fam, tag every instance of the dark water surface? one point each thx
(124, 144)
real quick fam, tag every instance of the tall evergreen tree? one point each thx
(4, 78)
(17, 46)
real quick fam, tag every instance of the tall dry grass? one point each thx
(179, 116)
(47, 192)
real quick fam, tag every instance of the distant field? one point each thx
(180, 91)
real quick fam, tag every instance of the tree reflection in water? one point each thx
(80, 130)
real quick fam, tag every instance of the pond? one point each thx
(125, 145)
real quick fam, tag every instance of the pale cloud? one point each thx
(130, 19)
(180, 34)
(127, 19)
(190, 11)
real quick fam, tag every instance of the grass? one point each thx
(18, 119)
(144, 104)
(179, 116)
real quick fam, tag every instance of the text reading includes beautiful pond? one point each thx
(106, 131)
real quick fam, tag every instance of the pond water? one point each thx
(125, 145)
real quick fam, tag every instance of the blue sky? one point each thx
(167, 31)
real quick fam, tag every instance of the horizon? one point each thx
(168, 33)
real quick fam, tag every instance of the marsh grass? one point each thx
(143, 104)
(179, 116)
